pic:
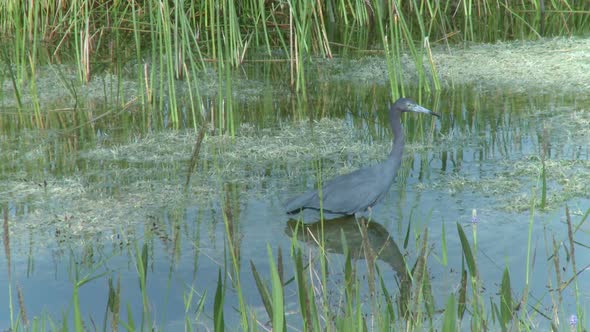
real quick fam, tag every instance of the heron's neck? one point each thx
(398, 139)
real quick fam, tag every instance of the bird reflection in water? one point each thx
(365, 239)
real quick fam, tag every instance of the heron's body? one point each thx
(341, 195)
(360, 190)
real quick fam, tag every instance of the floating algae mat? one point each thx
(123, 184)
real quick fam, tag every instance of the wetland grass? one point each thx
(169, 40)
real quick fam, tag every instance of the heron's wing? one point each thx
(356, 191)
(303, 201)
(352, 192)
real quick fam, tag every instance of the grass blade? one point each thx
(506, 298)
(450, 320)
(218, 305)
(278, 317)
(262, 289)
(467, 253)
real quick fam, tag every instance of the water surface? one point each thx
(81, 202)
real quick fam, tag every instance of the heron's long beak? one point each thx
(419, 109)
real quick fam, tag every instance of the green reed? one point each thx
(79, 281)
(478, 311)
(278, 318)
(321, 243)
(80, 26)
(141, 265)
(113, 305)
(529, 247)
(233, 245)
(506, 301)
(450, 315)
(143, 80)
(167, 34)
(305, 291)
(8, 255)
(299, 32)
(13, 78)
(572, 254)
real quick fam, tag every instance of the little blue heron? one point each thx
(360, 190)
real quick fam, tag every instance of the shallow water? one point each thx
(86, 204)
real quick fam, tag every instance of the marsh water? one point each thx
(83, 199)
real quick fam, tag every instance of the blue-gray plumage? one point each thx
(360, 190)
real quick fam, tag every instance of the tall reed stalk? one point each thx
(8, 255)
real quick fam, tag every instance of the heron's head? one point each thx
(408, 105)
